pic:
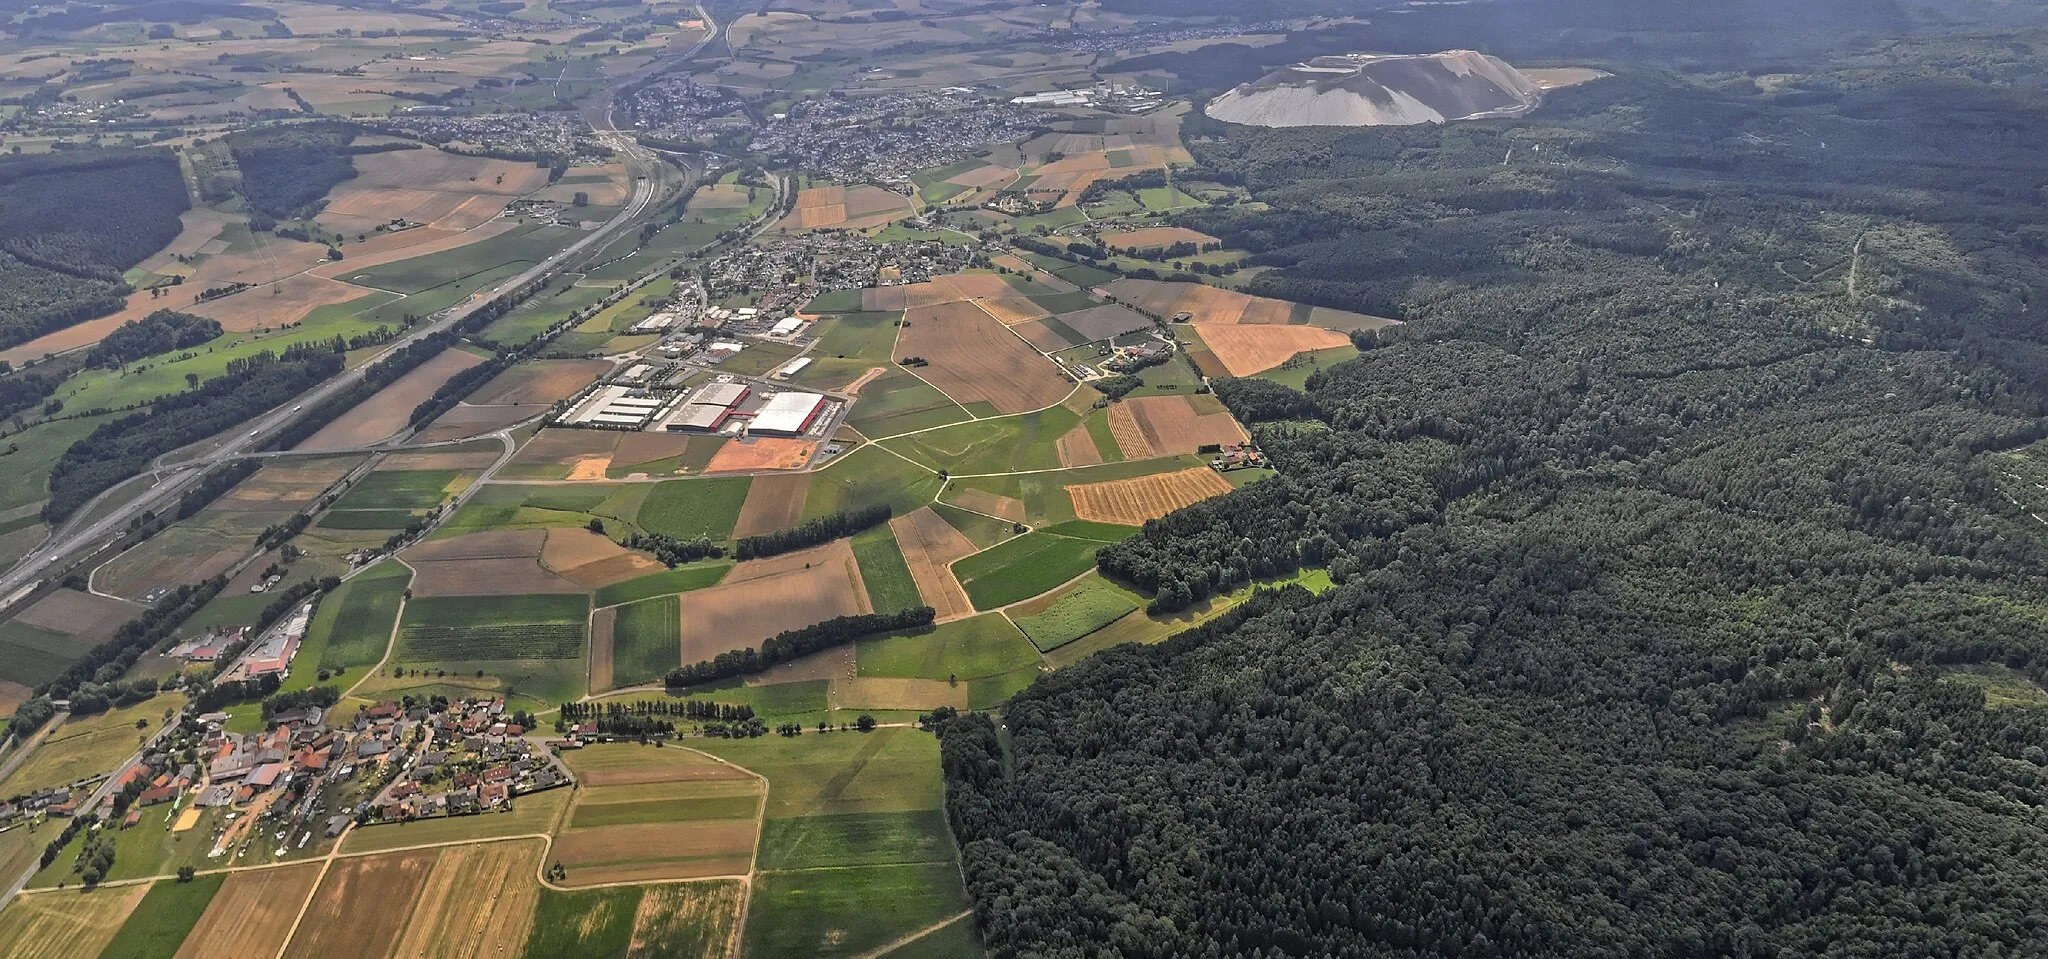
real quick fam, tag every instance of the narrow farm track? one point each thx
(901, 941)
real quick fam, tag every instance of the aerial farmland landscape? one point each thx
(929, 478)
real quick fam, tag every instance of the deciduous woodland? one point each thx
(1662, 531)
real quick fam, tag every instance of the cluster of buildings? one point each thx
(55, 801)
(724, 405)
(679, 108)
(211, 645)
(1114, 96)
(1149, 350)
(273, 651)
(784, 271)
(1144, 38)
(471, 757)
(534, 134)
(887, 137)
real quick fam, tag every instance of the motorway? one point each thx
(90, 529)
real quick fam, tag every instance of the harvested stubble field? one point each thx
(773, 503)
(251, 915)
(655, 814)
(930, 546)
(1130, 502)
(284, 486)
(486, 577)
(477, 902)
(688, 920)
(592, 560)
(975, 359)
(1152, 426)
(361, 905)
(760, 598)
(387, 411)
(427, 186)
(1247, 349)
(65, 924)
(276, 305)
(539, 381)
(1156, 237)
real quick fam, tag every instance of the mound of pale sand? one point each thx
(1369, 90)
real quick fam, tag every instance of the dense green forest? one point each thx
(71, 224)
(1671, 568)
(287, 170)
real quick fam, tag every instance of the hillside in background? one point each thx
(1368, 90)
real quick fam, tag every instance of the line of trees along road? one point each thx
(1670, 568)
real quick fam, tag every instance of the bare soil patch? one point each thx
(361, 905)
(972, 285)
(853, 388)
(761, 453)
(930, 545)
(736, 615)
(1133, 501)
(1077, 447)
(974, 358)
(386, 412)
(84, 615)
(560, 447)
(539, 381)
(773, 503)
(1247, 349)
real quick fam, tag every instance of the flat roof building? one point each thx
(788, 414)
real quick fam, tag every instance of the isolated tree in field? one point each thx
(865, 723)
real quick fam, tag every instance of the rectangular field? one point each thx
(682, 579)
(687, 509)
(164, 918)
(1130, 502)
(929, 545)
(702, 821)
(252, 914)
(646, 641)
(477, 902)
(65, 924)
(978, 647)
(1072, 613)
(974, 358)
(386, 412)
(883, 571)
(813, 913)
(361, 905)
(1023, 567)
(810, 587)
(443, 629)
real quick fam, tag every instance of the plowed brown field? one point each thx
(750, 607)
(773, 503)
(1077, 447)
(762, 453)
(387, 411)
(1133, 501)
(930, 545)
(973, 358)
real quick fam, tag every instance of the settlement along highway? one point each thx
(90, 529)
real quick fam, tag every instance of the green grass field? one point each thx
(1079, 274)
(1075, 612)
(883, 571)
(86, 746)
(398, 489)
(967, 649)
(352, 625)
(865, 477)
(1294, 373)
(593, 922)
(845, 912)
(1091, 530)
(955, 940)
(160, 922)
(1023, 567)
(32, 655)
(526, 244)
(899, 403)
(1044, 495)
(687, 509)
(682, 579)
(646, 640)
(508, 506)
(530, 318)
(28, 455)
(464, 628)
(835, 301)
(849, 344)
(1007, 444)
(358, 519)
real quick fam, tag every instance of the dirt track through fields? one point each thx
(1131, 502)
(930, 545)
